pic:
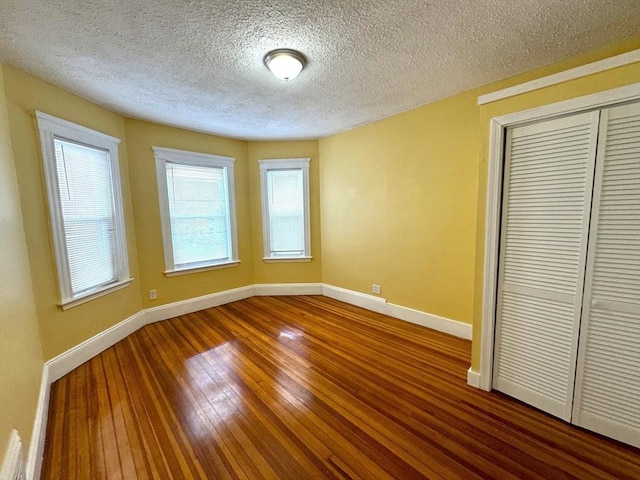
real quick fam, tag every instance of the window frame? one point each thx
(51, 128)
(267, 165)
(183, 157)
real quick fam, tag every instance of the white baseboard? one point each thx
(473, 378)
(441, 324)
(65, 362)
(74, 357)
(269, 289)
(370, 302)
(380, 305)
(13, 463)
(170, 310)
(38, 435)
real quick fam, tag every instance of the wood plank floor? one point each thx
(303, 388)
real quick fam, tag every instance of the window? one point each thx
(85, 207)
(197, 209)
(285, 209)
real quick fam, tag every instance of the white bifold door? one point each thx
(568, 310)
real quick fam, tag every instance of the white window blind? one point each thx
(86, 199)
(85, 205)
(285, 200)
(197, 210)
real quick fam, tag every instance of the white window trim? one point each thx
(285, 164)
(186, 271)
(299, 259)
(167, 155)
(51, 127)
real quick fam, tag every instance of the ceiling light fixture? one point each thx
(285, 63)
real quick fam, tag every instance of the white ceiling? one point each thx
(197, 64)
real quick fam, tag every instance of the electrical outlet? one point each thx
(153, 294)
(375, 289)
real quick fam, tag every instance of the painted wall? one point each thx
(403, 199)
(141, 136)
(576, 88)
(61, 330)
(285, 272)
(20, 349)
(398, 201)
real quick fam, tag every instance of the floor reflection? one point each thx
(213, 398)
(291, 334)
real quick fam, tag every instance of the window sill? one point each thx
(286, 259)
(66, 304)
(186, 271)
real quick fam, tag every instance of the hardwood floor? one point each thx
(303, 388)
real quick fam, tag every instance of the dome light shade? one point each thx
(284, 63)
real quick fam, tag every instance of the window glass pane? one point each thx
(199, 213)
(286, 211)
(86, 198)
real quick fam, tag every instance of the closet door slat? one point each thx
(607, 396)
(540, 296)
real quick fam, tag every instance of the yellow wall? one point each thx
(20, 350)
(572, 89)
(403, 199)
(398, 201)
(285, 272)
(401, 203)
(61, 330)
(141, 136)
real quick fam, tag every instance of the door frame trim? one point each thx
(498, 126)
(554, 79)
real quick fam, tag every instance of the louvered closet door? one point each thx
(607, 396)
(546, 202)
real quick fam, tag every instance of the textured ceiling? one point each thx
(197, 64)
